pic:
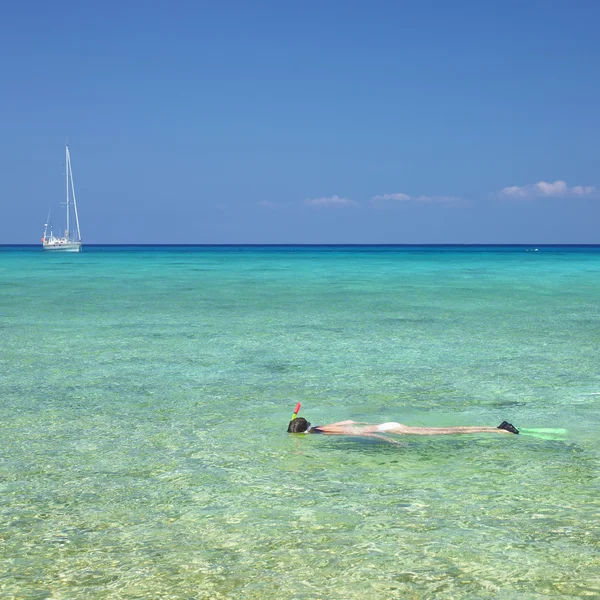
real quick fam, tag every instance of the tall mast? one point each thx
(74, 200)
(68, 168)
(46, 224)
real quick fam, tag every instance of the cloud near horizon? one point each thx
(545, 189)
(406, 198)
(267, 204)
(330, 201)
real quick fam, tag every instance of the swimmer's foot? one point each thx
(508, 427)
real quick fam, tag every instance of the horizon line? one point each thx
(421, 244)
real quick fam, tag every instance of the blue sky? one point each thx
(303, 122)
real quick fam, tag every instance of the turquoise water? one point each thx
(145, 393)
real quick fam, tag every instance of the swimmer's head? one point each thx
(298, 425)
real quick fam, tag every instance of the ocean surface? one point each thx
(145, 394)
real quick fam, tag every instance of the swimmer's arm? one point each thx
(347, 423)
(333, 430)
(344, 428)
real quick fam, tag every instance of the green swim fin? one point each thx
(545, 433)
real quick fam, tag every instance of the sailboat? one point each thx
(71, 241)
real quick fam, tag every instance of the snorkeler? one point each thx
(300, 425)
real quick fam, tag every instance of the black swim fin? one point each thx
(508, 427)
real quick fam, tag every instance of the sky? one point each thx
(302, 122)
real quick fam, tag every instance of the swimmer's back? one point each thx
(390, 426)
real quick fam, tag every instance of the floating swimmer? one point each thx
(354, 428)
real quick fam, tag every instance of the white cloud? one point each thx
(397, 197)
(514, 191)
(267, 204)
(583, 190)
(545, 189)
(406, 198)
(330, 201)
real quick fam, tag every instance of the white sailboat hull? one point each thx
(63, 246)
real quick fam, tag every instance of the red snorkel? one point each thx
(296, 411)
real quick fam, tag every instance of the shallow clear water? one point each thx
(145, 393)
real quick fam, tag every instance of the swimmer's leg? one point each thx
(447, 430)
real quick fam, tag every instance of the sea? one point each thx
(145, 393)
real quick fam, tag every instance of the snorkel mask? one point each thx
(294, 417)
